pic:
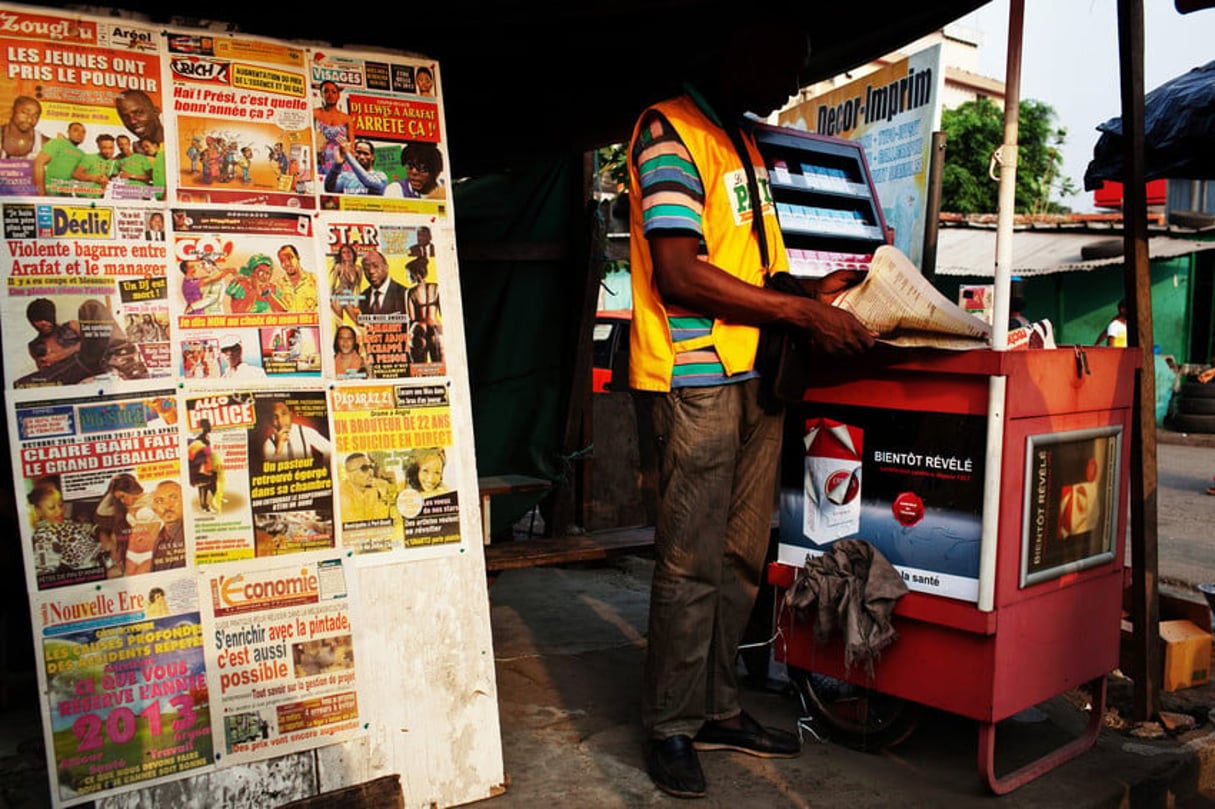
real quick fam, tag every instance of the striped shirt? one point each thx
(672, 203)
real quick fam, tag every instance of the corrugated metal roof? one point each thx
(972, 251)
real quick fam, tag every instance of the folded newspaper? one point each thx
(905, 309)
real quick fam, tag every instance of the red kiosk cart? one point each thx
(994, 481)
(1002, 505)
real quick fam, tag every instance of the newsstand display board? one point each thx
(238, 418)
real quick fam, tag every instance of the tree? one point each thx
(974, 131)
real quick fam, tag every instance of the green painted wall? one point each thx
(1079, 304)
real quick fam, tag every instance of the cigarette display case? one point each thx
(825, 200)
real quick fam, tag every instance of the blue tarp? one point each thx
(1178, 133)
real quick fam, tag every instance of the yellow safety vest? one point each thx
(728, 235)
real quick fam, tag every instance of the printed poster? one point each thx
(85, 295)
(246, 297)
(242, 122)
(123, 672)
(379, 139)
(259, 468)
(1071, 501)
(100, 479)
(395, 467)
(909, 483)
(84, 98)
(892, 112)
(384, 302)
(280, 657)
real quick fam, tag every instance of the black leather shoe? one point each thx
(752, 738)
(675, 767)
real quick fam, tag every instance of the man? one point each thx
(364, 496)
(346, 176)
(299, 291)
(136, 167)
(95, 170)
(170, 549)
(19, 137)
(423, 247)
(423, 164)
(156, 227)
(1114, 334)
(139, 115)
(57, 160)
(290, 441)
(383, 295)
(693, 346)
(55, 348)
(234, 357)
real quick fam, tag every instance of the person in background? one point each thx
(169, 550)
(425, 473)
(424, 310)
(423, 164)
(158, 606)
(332, 126)
(364, 495)
(95, 170)
(233, 350)
(424, 81)
(57, 160)
(140, 115)
(55, 348)
(18, 137)
(698, 268)
(156, 227)
(383, 295)
(299, 288)
(1114, 333)
(114, 522)
(347, 359)
(201, 459)
(345, 278)
(135, 167)
(1016, 320)
(357, 176)
(286, 440)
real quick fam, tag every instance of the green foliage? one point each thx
(612, 165)
(974, 131)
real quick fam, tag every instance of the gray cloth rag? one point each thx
(851, 589)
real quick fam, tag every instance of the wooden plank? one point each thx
(381, 793)
(491, 485)
(539, 551)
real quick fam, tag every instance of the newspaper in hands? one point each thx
(898, 303)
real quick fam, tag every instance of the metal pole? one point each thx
(997, 385)
(932, 225)
(1008, 176)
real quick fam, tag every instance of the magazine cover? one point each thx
(84, 98)
(379, 139)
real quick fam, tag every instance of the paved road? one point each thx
(1185, 513)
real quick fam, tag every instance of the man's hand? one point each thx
(831, 285)
(833, 331)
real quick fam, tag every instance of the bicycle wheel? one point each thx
(859, 717)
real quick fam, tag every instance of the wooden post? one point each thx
(1145, 606)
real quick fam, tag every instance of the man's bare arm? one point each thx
(684, 279)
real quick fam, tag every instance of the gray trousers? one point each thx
(718, 454)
